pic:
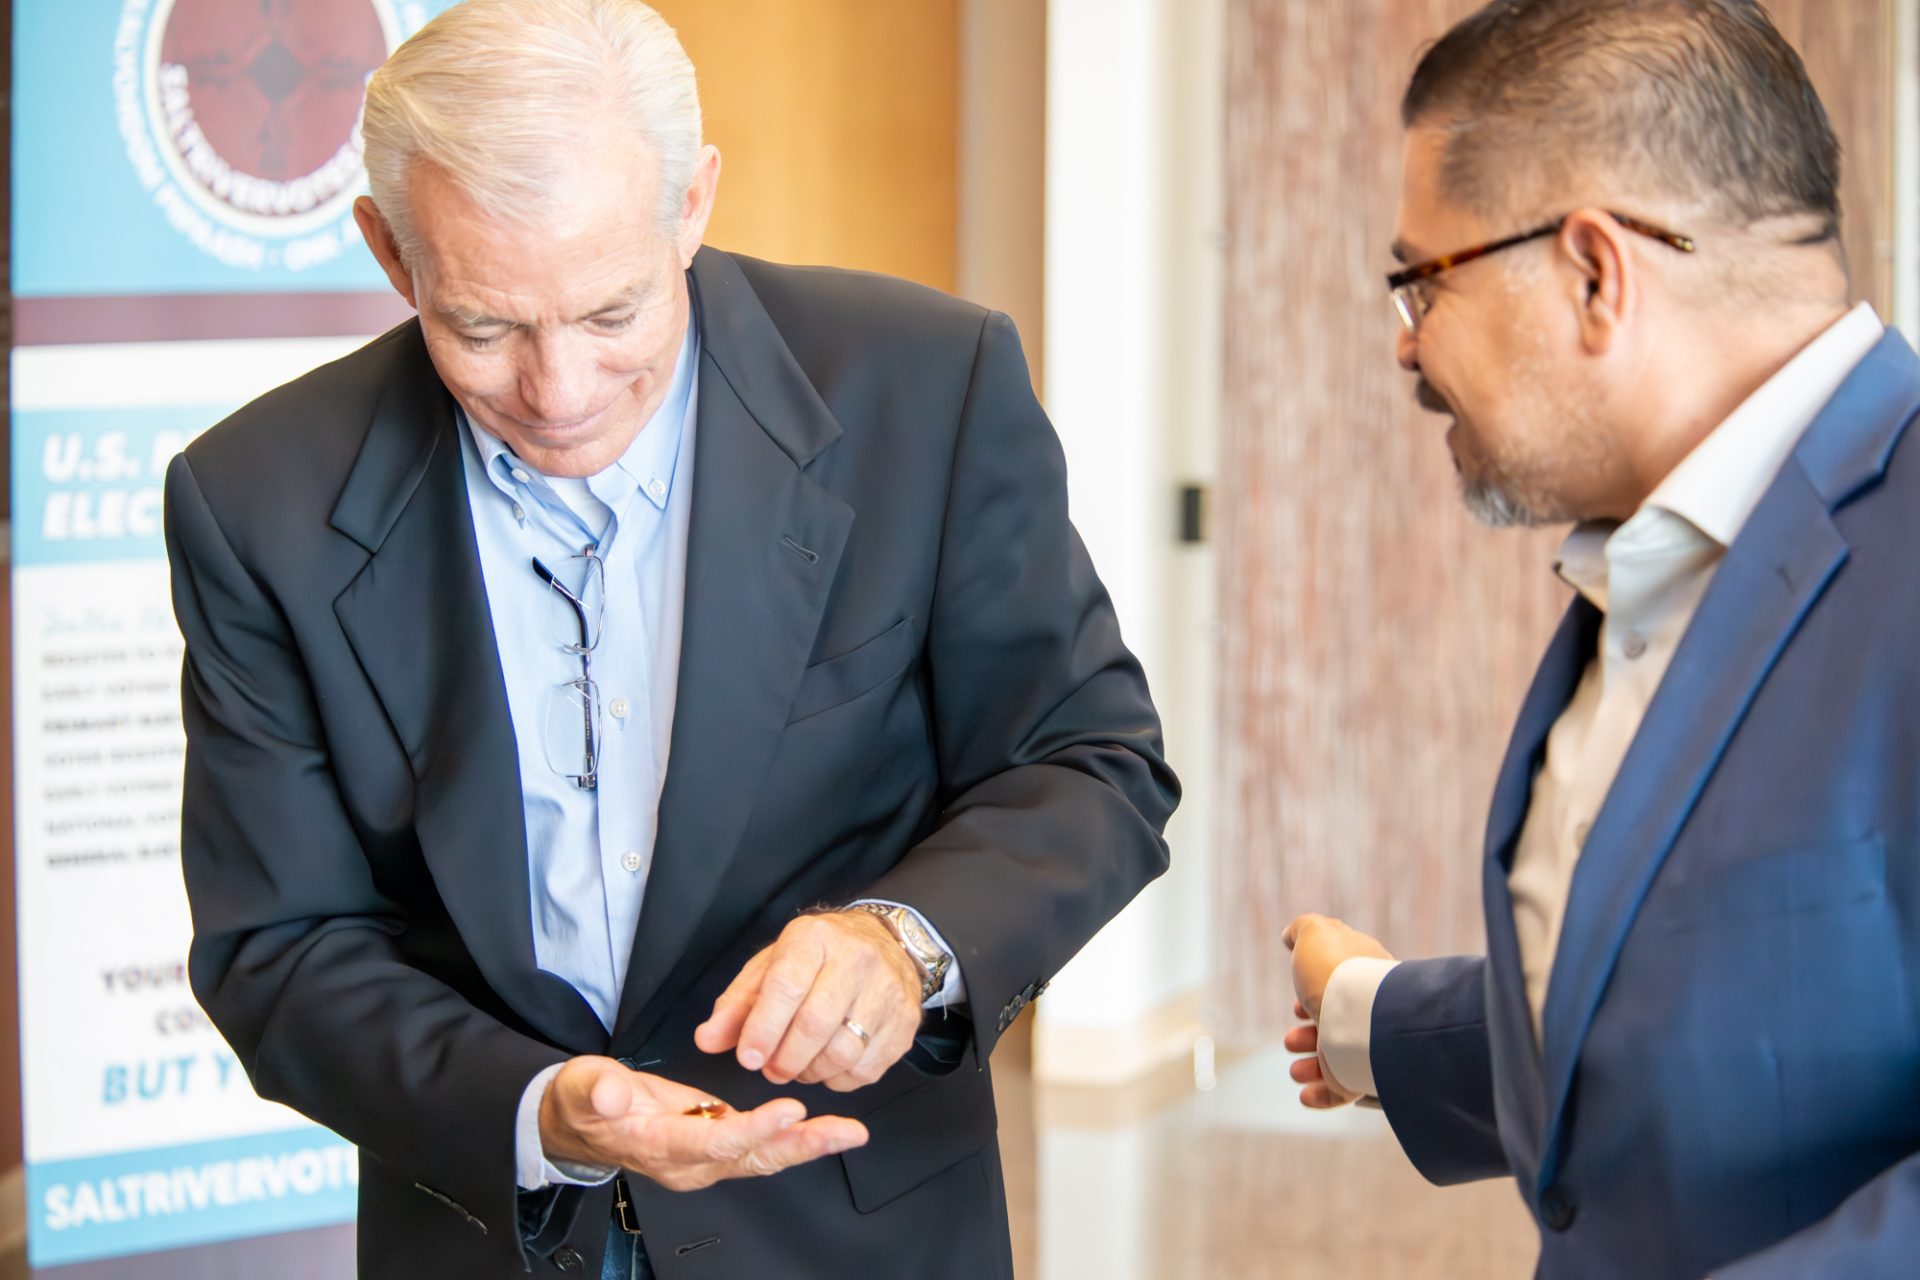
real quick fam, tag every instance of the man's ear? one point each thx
(698, 209)
(386, 250)
(1602, 285)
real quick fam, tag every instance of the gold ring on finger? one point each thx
(857, 1029)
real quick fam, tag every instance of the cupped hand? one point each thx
(598, 1112)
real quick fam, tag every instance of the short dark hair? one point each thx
(1702, 99)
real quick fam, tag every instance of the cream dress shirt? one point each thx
(1647, 576)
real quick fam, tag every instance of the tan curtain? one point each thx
(1376, 643)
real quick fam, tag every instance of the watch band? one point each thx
(928, 957)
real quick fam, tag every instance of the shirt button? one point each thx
(619, 708)
(519, 513)
(521, 476)
(630, 860)
(1636, 644)
(657, 489)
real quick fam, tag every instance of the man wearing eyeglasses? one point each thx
(651, 697)
(1694, 1041)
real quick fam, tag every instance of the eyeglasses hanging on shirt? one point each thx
(572, 732)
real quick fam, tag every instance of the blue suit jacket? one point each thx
(1730, 1083)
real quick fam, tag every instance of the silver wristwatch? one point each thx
(928, 956)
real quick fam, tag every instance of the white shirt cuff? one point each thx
(1346, 1021)
(954, 990)
(533, 1170)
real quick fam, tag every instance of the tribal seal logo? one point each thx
(244, 118)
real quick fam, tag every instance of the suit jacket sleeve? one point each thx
(293, 954)
(1433, 1069)
(1054, 790)
(1875, 1232)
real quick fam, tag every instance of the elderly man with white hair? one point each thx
(649, 697)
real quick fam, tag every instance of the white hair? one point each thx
(491, 92)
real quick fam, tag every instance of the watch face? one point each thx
(910, 929)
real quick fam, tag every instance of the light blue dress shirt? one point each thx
(589, 852)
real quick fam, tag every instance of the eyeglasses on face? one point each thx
(1411, 301)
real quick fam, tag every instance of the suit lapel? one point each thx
(1763, 591)
(764, 545)
(417, 619)
(1573, 645)
(1510, 1025)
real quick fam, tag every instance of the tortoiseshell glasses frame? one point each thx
(1410, 302)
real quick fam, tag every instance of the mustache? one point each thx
(1427, 398)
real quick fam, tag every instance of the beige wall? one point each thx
(1003, 163)
(1132, 384)
(838, 124)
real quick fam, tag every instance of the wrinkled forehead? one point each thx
(477, 268)
(605, 177)
(581, 212)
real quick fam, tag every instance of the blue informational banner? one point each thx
(193, 146)
(133, 1202)
(87, 481)
(184, 172)
(141, 1130)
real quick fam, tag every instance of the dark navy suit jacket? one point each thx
(901, 679)
(1730, 1080)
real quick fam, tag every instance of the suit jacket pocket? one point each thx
(1808, 878)
(826, 685)
(925, 1131)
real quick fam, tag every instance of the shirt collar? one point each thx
(1582, 563)
(648, 465)
(654, 456)
(1717, 486)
